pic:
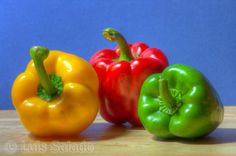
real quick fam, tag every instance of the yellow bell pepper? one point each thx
(57, 95)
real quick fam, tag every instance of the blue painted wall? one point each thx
(198, 33)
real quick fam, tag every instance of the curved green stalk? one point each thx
(113, 35)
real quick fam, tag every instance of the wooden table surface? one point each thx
(102, 138)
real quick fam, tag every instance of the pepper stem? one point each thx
(39, 54)
(113, 35)
(166, 94)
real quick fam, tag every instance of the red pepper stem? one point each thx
(113, 35)
(165, 93)
(39, 54)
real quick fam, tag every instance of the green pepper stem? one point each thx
(165, 93)
(39, 54)
(113, 35)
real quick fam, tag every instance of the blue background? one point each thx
(200, 33)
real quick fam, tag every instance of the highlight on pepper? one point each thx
(57, 94)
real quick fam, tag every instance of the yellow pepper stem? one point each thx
(39, 54)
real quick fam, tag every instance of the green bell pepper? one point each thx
(179, 102)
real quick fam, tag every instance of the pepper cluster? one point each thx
(59, 94)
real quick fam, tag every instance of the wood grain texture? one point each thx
(102, 138)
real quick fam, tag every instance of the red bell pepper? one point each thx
(121, 73)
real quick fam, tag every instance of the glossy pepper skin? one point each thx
(63, 106)
(121, 73)
(180, 102)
